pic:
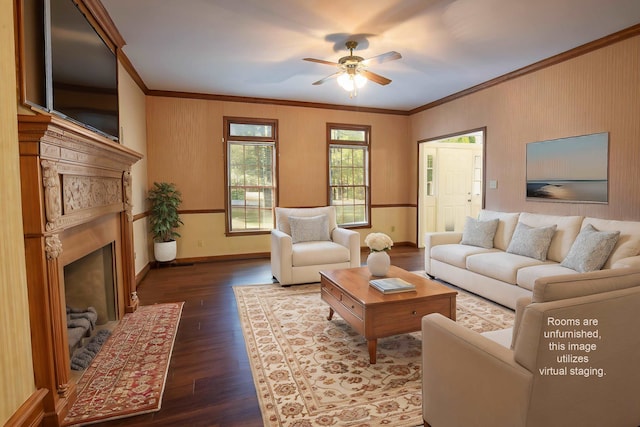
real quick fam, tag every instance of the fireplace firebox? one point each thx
(90, 295)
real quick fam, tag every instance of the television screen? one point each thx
(84, 83)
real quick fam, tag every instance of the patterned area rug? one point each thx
(128, 375)
(309, 371)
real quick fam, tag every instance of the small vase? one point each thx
(378, 263)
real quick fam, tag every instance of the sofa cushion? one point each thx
(590, 249)
(316, 253)
(499, 265)
(506, 224)
(309, 228)
(527, 276)
(531, 241)
(552, 288)
(456, 254)
(479, 233)
(567, 228)
(628, 243)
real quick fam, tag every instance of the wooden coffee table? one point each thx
(376, 315)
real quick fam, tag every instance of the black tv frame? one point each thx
(102, 117)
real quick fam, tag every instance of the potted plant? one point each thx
(164, 219)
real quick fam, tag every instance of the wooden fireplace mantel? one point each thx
(76, 197)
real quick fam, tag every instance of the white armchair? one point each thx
(469, 379)
(308, 240)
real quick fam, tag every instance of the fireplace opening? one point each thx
(90, 293)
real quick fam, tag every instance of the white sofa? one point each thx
(307, 240)
(502, 276)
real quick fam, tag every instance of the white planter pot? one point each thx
(165, 251)
(378, 263)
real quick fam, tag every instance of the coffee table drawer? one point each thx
(352, 305)
(392, 319)
(345, 300)
(331, 289)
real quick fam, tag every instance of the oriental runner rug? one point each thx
(309, 371)
(128, 375)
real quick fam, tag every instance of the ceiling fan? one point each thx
(353, 70)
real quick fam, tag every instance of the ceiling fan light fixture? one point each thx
(346, 82)
(351, 81)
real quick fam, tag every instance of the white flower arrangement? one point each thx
(378, 242)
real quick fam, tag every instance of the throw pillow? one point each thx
(533, 242)
(590, 250)
(479, 233)
(309, 228)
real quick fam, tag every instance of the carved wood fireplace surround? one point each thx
(76, 198)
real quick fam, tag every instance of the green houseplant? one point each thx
(164, 219)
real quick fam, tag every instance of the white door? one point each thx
(450, 184)
(454, 188)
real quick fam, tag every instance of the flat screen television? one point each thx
(81, 70)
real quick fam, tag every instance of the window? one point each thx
(349, 173)
(250, 158)
(429, 187)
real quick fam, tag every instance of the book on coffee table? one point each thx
(392, 285)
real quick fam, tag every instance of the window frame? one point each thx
(367, 145)
(229, 139)
(430, 172)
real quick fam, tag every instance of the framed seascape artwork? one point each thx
(569, 169)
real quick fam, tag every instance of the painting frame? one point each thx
(569, 170)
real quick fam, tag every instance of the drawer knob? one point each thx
(414, 312)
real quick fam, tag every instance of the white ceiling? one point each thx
(254, 48)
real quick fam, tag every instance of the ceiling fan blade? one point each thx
(332, 76)
(385, 57)
(320, 61)
(377, 78)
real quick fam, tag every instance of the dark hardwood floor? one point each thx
(209, 381)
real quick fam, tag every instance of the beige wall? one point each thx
(133, 134)
(16, 365)
(185, 146)
(596, 92)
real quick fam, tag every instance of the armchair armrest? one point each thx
(351, 240)
(521, 304)
(281, 256)
(435, 239)
(468, 379)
